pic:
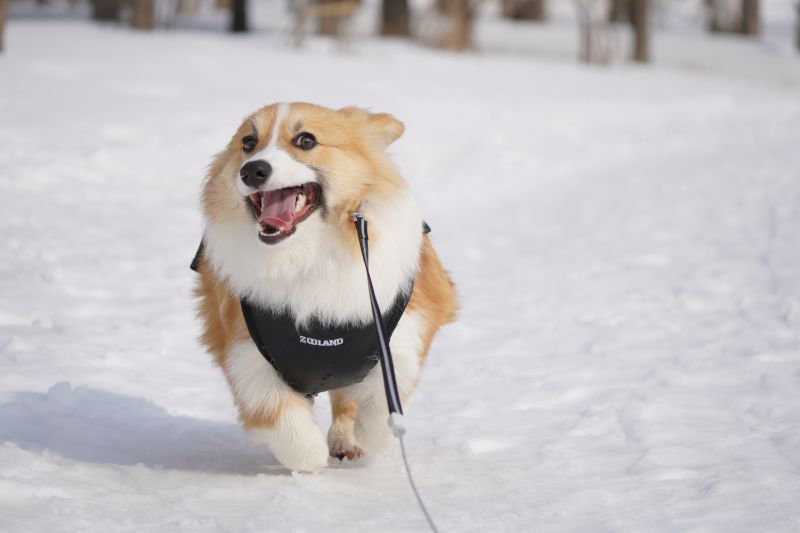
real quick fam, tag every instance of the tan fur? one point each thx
(352, 141)
(434, 295)
(342, 407)
(343, 414)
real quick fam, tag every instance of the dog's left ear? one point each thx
(384, 128)
(381, 129)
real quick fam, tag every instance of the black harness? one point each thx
(316, 357)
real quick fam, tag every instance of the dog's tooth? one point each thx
(300, 203)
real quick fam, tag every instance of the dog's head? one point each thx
(291, 163)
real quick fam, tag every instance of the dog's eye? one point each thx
(305, 141)
(249, 143)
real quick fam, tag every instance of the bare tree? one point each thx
(585, 31)
(3, 16)
(594, 32)
(730, 16)
(329, 25)
(460, 14)
(239, 16)
(187, 7)
(144, 14)
(597, 29)
(106, 9)
(447, 24)
(751, 23)
(395, 18)
(331, 18)
(641, 31)
(721, 16)
(524, 9)
(619, 11)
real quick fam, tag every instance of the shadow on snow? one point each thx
(104, 427)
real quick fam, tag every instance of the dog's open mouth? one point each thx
(280, 211)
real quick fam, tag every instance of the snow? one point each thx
(624, 241)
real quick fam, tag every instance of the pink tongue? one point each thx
(277, 208)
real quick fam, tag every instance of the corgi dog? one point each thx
(279, 244)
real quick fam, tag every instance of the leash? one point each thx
(396, 421)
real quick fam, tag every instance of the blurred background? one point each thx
(612, 184)
(602, 31)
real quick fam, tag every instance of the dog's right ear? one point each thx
(379, 128)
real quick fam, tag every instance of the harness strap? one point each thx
(195, 264)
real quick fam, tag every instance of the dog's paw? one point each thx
(342, 441)
(342, 451)
(305, 456)
(296, 442)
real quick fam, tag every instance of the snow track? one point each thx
(625, 243)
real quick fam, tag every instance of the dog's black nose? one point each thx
(255, 173)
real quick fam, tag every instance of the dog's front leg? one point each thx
(341, 437)
(274, 413)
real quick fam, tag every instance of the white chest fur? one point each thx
(314, 272)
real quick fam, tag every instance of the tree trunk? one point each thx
(395, 18)
(798, 25)
(621, 11)
(724, 17)
(583, 13)
(460, 15)
(187, 7)
(585, 48)
(713, 7)
(617, 11)
(751, 24)
(239, 16)
(330, 26)
(144, 14)
(4, 4)
(106, 9)
(641, 31)
(524, 9)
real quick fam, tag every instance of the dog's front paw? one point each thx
(342, 441)
(296, 441)
(308, 455)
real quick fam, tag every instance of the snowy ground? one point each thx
(625, 242)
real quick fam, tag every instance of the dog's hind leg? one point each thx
(433, 303)
(372, 430)
(341, 437)
(273, 413)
